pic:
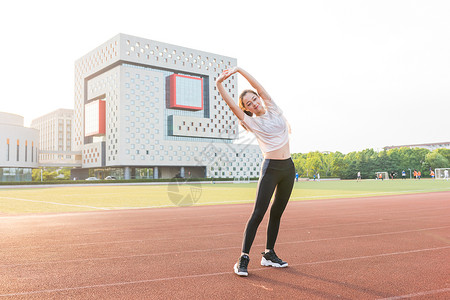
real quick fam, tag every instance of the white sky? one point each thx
(349, 75)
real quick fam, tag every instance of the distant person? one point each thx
(415, 174)
(314, 177)
(432, 174)
(259, 114)
(358, 176)
(419, 174)
(403, 175)
(380, 176)
(446, 175)
(296, 176)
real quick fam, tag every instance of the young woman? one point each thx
(277, 172)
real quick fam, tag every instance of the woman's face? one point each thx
(253, 104)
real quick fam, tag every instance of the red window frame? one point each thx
(173, 92)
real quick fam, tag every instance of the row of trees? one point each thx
(369, 161)
(51, 174)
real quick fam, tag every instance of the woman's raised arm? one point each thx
(230, 102)
(253, 82)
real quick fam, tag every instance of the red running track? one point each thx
(391, 247)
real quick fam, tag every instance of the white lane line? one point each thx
(374, 193)
(418, 294)
(62, 242)
(119, 257)
(54, 203)
(111, 284)
(394, 193)
(205, 250)
(211, 274)
(370, 256)
(351, 196)
(364, 235)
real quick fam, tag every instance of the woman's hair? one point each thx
(242, 106)
(241, 101)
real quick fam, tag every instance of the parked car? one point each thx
(110, 178)
(92, 178)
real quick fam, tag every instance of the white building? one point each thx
(146, 108)
(18, 148)
(55, 138)
(429, 146)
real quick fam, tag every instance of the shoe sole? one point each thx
(244, 274)
(269, 263)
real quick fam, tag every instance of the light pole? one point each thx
(410, 174)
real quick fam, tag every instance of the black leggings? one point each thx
(275, 174)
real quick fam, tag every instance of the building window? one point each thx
(186, 92)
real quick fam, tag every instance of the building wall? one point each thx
(11, 119)
(18, 148)
(22, 141)
(130, 74)
(55, 133)
(92, 155)
(429, 146)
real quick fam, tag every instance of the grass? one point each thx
(90, 198)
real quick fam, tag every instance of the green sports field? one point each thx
(94, 197)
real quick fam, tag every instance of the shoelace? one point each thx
(243, 262)
(273, 257)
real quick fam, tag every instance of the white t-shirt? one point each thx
(271, 129)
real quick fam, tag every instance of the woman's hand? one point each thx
(221, 78)
(227, 73)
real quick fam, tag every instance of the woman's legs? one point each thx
(275, 174)
(266, 187)
(282, 195)
(279, 175)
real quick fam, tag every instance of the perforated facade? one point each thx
(162, 111)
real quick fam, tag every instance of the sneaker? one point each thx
(270, 259)
(240, 267)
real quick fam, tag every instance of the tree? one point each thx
(338, 164)
(435, 160)
(299, 163)
(444, 152)
(327, 163)
(313, 162)
(49, 175)
(64, 174)
(36, 175)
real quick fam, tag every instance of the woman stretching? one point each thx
(277, 171)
